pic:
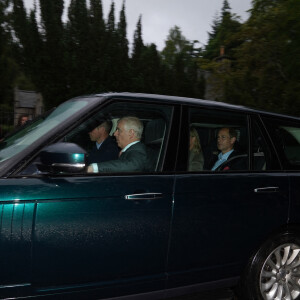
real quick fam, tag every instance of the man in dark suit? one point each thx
(225, 142)
(133, 156)
(105, 147)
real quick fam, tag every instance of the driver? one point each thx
(132, 157)
(105, 147)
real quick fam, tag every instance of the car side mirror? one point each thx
(62, 158)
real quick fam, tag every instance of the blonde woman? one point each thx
(196, 159)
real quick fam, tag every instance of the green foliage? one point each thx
(96, 45)
(176, 44)
(223, 30)
(53, 65)
(122, 63)
(266, 73)
(86, 54)
(8, 66)
(138, 44)
(180, 58)
(77, 47)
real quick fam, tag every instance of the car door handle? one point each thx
(144, 196)
(271, 189)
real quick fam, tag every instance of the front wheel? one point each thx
(274, 272)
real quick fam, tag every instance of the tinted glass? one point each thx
(261, 155)
(23, 138)
(286, 137)
(155, 121)
(217, 136)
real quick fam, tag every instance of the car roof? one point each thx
(188, 101)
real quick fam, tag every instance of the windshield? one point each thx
(21, 139)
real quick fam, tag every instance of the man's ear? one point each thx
(233, 140)
(131, 133)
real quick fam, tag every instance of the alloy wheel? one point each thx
(280, 275)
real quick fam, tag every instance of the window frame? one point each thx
(183, 167)
(59, 135)
(270, 122)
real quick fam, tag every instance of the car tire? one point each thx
(273, 273)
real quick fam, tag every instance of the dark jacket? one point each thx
(134, 159)
(108, 151)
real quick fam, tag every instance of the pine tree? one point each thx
(20, 23)
(138, 83)
(20, 27)
(23, 45)
(111, 24)
(36, 50)
(111, 53)
(151, 70)
(223, 33)
(122, 34)
(266, 73)
(8, 67)
(96, 44)
(122, 55)
(53, 71)
(180, 56)
(138, 44)
(176, 43)
(78, 47)
(225, 9)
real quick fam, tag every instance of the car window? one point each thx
(262, 157)
(21, 139)
(155, 121)
(136, 140)
(218, 141)
(286, 137)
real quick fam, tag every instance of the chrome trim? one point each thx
(79, 166)
(15, 285)
(271, 189)
(144, 196)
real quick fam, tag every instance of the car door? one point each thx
(220, 217)
(109, 230)
(15, 239)
(285, 133)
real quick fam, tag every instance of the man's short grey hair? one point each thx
(135, 124)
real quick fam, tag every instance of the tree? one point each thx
(96, 52)
(223, 33)
(122, 56)
(8, 66)
(138, 44)
(267, 73)
(78, 48)
(53, 67)
(138, 83)
(112, 53)
(176, 43)
(151, 70)
(20, 26)
(34, 60)
(180, 57)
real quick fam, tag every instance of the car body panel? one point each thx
(85, 231)
(119, 234)
(212, 216)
